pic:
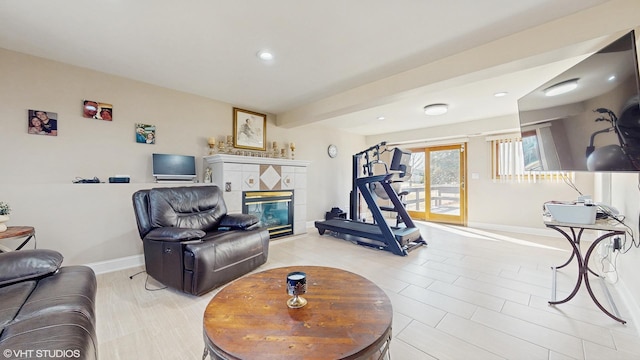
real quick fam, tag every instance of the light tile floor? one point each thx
(469, 294)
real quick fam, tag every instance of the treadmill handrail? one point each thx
(374, 178)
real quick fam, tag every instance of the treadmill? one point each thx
(380, 235)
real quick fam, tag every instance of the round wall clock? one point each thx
(332, 150)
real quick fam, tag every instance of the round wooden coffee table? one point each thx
(346, 317)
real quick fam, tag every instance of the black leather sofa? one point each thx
(190, 243)
(46, 311)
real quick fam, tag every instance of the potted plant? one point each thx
(5, 210)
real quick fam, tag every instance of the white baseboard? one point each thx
(107, 266)
(629, 301)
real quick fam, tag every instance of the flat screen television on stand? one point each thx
(587, 118)
(176, 168)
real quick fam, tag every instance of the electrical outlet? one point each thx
(617, 244)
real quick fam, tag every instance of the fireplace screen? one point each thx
(273, 208)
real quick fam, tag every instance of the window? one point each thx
(531, 151)
(517, 159)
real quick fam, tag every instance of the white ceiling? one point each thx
(208, 48)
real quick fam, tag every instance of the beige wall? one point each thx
(519, 204)
(94, 222)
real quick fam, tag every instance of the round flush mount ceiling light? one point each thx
(436, 109)
(561, 87)
(265, 55)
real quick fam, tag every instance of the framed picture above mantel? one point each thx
(249, 130)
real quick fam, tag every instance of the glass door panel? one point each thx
(437, 194)
(446, 184)
(415, 198)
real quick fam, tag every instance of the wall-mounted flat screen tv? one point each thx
(174, 167)
(587, 118)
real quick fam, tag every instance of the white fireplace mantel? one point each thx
(235, 174)
(238, 159)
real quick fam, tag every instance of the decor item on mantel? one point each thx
(229, 144)
(5, 210)
(225, 145)
(249, 130)
(212, 145)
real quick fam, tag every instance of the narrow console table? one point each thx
(576, 231)
(29, 232)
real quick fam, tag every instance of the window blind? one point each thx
(507, 163)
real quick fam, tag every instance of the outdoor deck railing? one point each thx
(440, 195)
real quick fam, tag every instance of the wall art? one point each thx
(249, 130)
(97, 110)
(40, 122)
(145, 134)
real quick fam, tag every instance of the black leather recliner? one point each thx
(190, 242)
(47, 311)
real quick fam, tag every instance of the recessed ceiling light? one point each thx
(265, 55)
(436, 109)
(561, 87)
(500, 94)
(611, 78)
(380, 118)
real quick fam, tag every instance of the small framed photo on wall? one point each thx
(249, 130)
(40, 122)
(97, 110)
(145, 134)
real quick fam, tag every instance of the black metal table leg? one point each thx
(586, 277)
(583, 262)
(575, 245)
(27, 240)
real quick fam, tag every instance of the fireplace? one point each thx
(273, 208)
(237, 174)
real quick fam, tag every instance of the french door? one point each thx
(437, 187)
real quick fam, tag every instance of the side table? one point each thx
(576, 231)
(18, 232)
